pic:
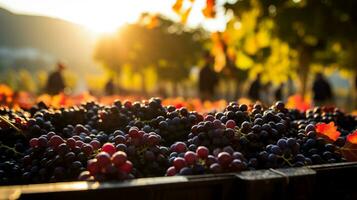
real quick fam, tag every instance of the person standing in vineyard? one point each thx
(208, 79)
(109, 87)
(254, 90)
(55, 83)
(322, 90)
(279, 93)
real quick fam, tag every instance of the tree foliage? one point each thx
(309, 27)
(153, 42)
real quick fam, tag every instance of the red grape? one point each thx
(103, 159)
(109, 148)
(55, 141)
(79, 143)
(224, 158)
(171, 171)
(190, 157)
(119, 158)
(180, 147)
(134, 132)
(231, 124)
(92, 166)
(71, 143)
(209, 118)
(126, 167)
(34, 142)
(179, 163)
(202, 152)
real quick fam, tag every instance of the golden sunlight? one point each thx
(106, 18)
(103, 16)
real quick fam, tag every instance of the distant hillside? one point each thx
(55, 38)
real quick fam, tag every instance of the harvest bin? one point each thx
(330, 181)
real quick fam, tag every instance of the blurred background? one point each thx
(299, 51)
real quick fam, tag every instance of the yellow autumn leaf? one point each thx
(250, 45)
(263, 38)
(243, 61)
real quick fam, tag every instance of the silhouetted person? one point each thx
(208, 79)
(254, 89)
(109, 87)
(55, 83)
(279, 92)
(290, 87)
(266, 93)
(321, 89)
(355, 106)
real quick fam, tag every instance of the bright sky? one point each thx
(104, 16)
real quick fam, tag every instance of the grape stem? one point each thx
(10, 148)
(286, 160)
(8, 122)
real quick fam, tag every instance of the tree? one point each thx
(307, 26)
(155, 42)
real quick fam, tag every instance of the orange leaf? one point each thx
(209, 10)
(349, 151)
(328, 130)
(177, 6)
(185, 15)
(298, 102)
(5, 90)
(352, 138)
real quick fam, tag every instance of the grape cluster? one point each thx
(212, 133)
(176, 125)
(144, 150)
(345, 122)
(318, 149)
(144, 139)
(10, 169)
(109, 164)
(52, 158)
(284, 153)
(201, 162)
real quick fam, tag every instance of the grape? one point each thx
(119, 158)
(179, 163)
(34, 142)
(224, 158)
(215, 168)
(95, 144)
(109, 148)
(230, 124)
(209, 118)
(202, 152)
(186, 171)
(87, 149)
(55, 141)
(282, 143)
(309, 128)
(180, 147)
(93, 166)
(103, 159)
(190, 157)
(171, 171)
(291, 142)
(126, 167)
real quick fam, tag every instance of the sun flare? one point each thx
(106, 18)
